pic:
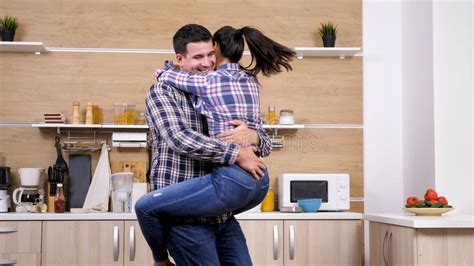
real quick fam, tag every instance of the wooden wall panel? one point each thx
(152, 23)
(319, 90)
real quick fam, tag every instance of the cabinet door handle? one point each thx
(383, 249)
(8, 229)
(132, 243)
(116, 243)
(7, 261)
(389, 249)
(276, 242)
(292, 242)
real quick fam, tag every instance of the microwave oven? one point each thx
(332, 189)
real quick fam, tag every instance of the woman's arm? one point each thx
(193, 83)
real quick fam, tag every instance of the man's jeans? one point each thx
(226, 189)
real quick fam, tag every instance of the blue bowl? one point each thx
(309, 205)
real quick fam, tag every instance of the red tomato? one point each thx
(431, 195)
(412, 200)
(443, 200)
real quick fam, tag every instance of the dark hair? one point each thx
(187, 34)
(269, 56)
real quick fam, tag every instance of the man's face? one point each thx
(200, 57)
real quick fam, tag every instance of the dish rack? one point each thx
(84, 141)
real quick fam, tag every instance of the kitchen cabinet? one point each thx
(115, 242)
(20, 242)
(400, 245)
(304, 242)
(391, 245)
(264, 241)
(136, 250)
(82, 243)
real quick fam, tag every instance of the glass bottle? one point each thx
(268, 203)
(59, 200)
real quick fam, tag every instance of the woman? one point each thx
(229, 93)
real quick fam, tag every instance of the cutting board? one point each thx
(138, 168)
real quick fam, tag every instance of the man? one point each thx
(182, 152)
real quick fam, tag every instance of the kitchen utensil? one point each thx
(79, 179)
(25, 198)
(428, 211)
(122, 185)
(5, 182)
(5, 178)
(4, 201)
(30, 177)
(309, 205)
(292, 209)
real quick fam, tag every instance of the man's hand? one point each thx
(250, 162)
(241, 135)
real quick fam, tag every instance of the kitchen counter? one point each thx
(409, 220)
(13, 216)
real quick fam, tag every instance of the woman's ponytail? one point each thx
(269, 56)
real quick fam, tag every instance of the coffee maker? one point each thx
(29, 193)
(5, 182)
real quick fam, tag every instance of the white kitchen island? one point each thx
(405, 239)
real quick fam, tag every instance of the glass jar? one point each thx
(141, 119)
(286, 117)
(271, 115)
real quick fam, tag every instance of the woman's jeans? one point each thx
(226, 189)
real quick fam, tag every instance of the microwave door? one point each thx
(308, 189)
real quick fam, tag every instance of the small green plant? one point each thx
(9, 23)
(327, 29)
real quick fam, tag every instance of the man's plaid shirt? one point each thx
(180, 150)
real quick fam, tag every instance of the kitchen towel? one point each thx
(98, 196)
(79, 179)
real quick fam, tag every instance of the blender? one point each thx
(122, 185)
(28, 193)
(5, 182)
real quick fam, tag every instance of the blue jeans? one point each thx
(226, 189)
(209, 244)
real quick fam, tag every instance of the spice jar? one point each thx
(286, 117)
(271, 115)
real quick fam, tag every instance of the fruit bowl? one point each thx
(428, 211)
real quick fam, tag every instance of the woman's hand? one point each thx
(241, 135)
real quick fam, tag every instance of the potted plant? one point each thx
(8, 26)
(327, 31)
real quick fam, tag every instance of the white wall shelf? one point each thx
(38, 47)
(106, 126)
(112, 126)
(22, 47)
(341, 52)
